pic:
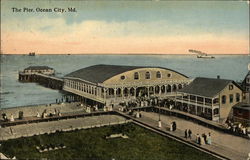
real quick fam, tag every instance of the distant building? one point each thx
(39, 69)
(246, 88)
(113, 84)
(241, 113)
(210, 98)
(27, 74)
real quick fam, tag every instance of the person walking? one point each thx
(174, 126)
(209, 140)
(186, 133)
(189, 133)
(171, 127)
(196, 138)
(199, 139)
(159, 123)
(203, 139)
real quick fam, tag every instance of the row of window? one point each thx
(38, 70)
(78, 86)
(147, 75)
(231, 98)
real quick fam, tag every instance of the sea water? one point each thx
(14, 93)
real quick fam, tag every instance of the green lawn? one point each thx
(91, 144)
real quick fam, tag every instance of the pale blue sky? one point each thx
(132, 18)
(210, 16)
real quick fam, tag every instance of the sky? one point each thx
(125, 27)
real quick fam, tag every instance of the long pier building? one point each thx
(111, 84)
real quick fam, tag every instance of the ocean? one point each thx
(14, 94)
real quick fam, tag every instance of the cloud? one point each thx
(49, 35)
(58, 26)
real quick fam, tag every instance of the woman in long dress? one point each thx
(202, 140)
(171, 127)
(209, 140)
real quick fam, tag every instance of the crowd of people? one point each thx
(203, 139)
(46, 114)
(237, 128)
(146, 102)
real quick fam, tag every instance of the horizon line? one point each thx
(122, 54)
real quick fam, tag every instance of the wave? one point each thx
(6, 92)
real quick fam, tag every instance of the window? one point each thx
(136, 75)
(208, 110)
(216, 111)
(237, 97)
(169, 75)
(231, 98)
(158, 74)
(216, 100)
(122, 77)
(147, 75)
(224, 99)
(231, 87)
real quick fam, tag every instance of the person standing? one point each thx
(159, 123)
(186, 133)
(209, 140)
(189, 133)
(171, 127)
(196, 138)
(174, 126)
(199, 139)
(202, 140)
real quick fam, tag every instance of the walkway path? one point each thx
(230, 146)
(31, 129)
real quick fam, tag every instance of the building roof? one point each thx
(37, 68)
(207, 87)
(244, 106)
(100, 73)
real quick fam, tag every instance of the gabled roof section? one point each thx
(245, 79)
(244, 106)
(37, 68)
(207, 87)
(100, 73)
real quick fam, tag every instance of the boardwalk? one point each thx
(229, 146)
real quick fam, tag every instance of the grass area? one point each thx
(91, 144)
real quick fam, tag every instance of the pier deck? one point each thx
(49, 81)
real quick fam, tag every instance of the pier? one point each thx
(42, 75)
(156, 101)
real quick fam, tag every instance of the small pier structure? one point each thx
(43, 75)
